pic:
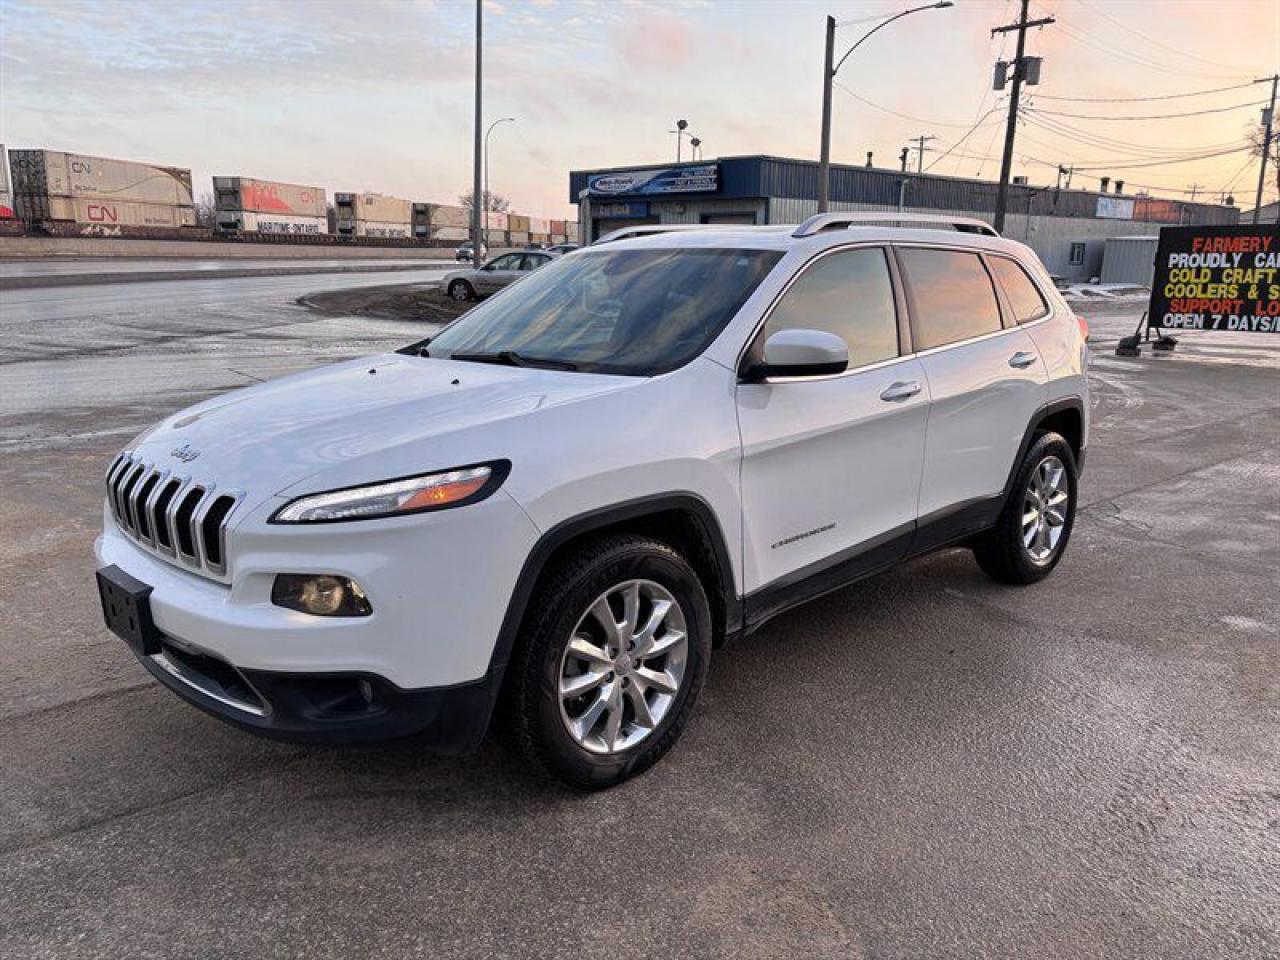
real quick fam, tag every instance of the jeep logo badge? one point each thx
(186, 453)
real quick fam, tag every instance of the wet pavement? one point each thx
(923, 765)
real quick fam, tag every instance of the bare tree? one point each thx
(206, 211)
(494, 202)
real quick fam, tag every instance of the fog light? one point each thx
(320, 595)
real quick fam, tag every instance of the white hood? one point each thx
(389, 409)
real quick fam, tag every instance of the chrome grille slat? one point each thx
(135, 490)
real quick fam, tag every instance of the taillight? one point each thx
(1084, 326)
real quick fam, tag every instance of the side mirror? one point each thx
(800, 353)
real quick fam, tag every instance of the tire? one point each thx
(461, 291)
(1004, 553)
(541, 722)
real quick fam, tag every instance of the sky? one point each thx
(377, 95)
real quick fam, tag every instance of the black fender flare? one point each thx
(564, 531)
(1044, 413)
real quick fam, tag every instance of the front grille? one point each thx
(178, 517)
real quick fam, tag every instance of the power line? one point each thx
(1152, 116)
(1089, 138)
(967, 134)
(1166, 96)
(1142, 36)
(1081, 36)
(904, 116)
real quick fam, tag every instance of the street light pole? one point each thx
(485, 200)
(476, 146)
(829, 72)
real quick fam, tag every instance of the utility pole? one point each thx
(1194, 189)
(476, 199)
(920, 148)
(1019, 73)
(1268, 119)
(824, 158)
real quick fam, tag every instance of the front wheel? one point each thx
(610, 662)
(461, 291)
(1032, 533)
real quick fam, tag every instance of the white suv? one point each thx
(561, 504)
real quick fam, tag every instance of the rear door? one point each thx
(986, 379)
(831, 464)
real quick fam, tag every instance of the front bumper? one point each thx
(422, 663)
(333, 709)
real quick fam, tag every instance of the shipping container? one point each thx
(519, 239)
(247, 221)
(6, 200)
(539, 225)
(284, 200)
(452, 234)
(113, 213)
(52, 173)
(571, 231)
(422, 221)
(446, 216)
(383, 231)
(557, 228)
(495, 221)
(517, 223)
(542, 238)
(372, 215)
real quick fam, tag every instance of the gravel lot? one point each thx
(925, 765)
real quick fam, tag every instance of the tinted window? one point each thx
(849, 294)
(510, 262)
(952, 296)
(1023, 295)
(635, 312)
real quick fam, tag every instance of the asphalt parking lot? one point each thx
(924, 765)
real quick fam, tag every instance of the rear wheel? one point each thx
(610, 662)
(1029, 538)
(461, 290)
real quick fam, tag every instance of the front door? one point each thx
(497, 273)
(831, 465)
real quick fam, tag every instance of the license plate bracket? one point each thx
(126, 608)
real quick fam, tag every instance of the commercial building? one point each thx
(1067, 228)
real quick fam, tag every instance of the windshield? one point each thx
(637, 312)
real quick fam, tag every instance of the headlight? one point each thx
(431, 491)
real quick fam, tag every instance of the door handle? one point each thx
(1022, 359)
(902, 390)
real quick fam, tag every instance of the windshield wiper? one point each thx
(510, 358)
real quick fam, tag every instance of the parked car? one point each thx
(502, 270)
(563, 248)
(464, 253)
(564, 502)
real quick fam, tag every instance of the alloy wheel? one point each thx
(622, 668)
(1044, 510)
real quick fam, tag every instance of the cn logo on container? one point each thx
(97, 213)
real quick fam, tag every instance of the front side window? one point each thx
(848, 293)
(952, 296)
(635, 312)
(510, 262)
(1025, 298)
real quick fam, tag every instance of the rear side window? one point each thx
(952, 296)
(1024, 296)
(848, 293)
